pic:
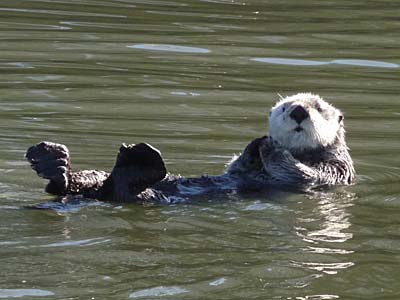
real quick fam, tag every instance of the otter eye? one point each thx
(283, 109)
(318, 108)
(341, 118)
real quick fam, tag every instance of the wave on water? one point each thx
(170, 48)
(19, 293)
(304, 62)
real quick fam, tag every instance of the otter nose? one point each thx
(299, 114)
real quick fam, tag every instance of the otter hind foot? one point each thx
(51, 161)
(137, 167)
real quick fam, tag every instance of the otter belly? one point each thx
(175, 189)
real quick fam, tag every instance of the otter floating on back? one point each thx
(306, 147)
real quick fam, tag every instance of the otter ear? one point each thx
(340, 118)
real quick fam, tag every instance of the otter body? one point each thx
(306, 147)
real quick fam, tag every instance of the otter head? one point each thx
(305, 122)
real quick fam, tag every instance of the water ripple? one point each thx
(68, 204)
(258, 206)
(217, 282)
(327, 268)
(159, 291)
(59, 12)
(87, 242)
(364, 63)
(321, 250)
(19, 293)
(16, 65)
(304, 62)
(289, 61)
(318, 297)
(169, 48)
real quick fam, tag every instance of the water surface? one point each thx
(196, 79)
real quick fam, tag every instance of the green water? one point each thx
(196, 79)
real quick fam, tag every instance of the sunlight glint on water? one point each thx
(196, 79)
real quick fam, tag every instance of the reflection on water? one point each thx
(19, 293)
(80, 243)
(169, 48)
(327, 268)
(350, 62)
(332, 217)
(327, 227)
(158, 292)
(318, 297)
(196, 79)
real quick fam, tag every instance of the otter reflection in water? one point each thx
(305, 147)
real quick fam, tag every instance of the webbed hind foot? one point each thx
(137, 168)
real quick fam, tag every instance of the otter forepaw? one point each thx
(285, 169)
(278, 156)
(252, 149)
(267, 148)
(250, 158)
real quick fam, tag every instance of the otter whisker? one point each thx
(280, 96)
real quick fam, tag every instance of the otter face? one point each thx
(305, 121)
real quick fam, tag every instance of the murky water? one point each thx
(196, 79)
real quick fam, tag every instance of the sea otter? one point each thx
(305, 148)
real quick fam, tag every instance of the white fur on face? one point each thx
(319, 129)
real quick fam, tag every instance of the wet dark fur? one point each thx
(140, 176)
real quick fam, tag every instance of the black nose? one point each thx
(299, 114)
